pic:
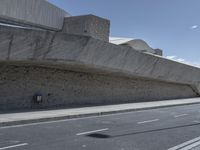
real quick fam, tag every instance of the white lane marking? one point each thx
(185, 144)
(181, 115)
(148, 121)
(189, 147)
(94, 131)
(13, 146)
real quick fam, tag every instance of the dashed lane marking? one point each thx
(181, 115)
(93, 131)
(148, 121)
(13, 146)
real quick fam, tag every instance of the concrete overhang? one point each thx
(86, 54)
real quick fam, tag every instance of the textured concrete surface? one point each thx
(34, 12)
(89, 25)
(86, 54)
(18, 85)
(71, 70)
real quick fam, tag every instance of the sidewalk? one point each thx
(58, 114)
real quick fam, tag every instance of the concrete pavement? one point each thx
(14, 118)
(152, 129)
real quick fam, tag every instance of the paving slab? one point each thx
(7, 119)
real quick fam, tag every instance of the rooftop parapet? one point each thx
(37, 13)
(88, 25)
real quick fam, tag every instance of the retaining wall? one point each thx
(19, 84)
(80, 70)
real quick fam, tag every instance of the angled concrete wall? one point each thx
(38, 13)
(19, 84)
(113, 66)
(90, 54)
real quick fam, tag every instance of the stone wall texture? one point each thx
(79, 70)
(88, 54)
(18, 84)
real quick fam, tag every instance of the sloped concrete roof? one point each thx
(136, 44)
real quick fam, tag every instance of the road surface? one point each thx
(156, 129)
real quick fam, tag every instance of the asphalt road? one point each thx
(155, 129)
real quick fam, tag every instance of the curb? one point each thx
(57, 118)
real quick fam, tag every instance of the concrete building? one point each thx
(43, 65)
(137, 44)
(37, 13)
(88, 25)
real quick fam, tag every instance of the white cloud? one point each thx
(181, 60)
(171, 57)
(175, 58)
(194, 27)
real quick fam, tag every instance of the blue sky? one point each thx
(172, 25)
